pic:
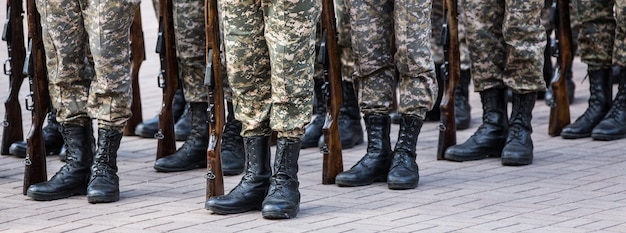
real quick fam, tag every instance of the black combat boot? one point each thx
(73, 177)
(462, 108)
(489, 138)
(104, 184)
(52, 138)
(519, 145)
(350, 129)
(435, 113)
(182, 127)
(233, 155)
(613, 126)
(313, 131)
(374, 166)
(404, 173)
(599, 104)
(283, 198)
(252, 189)
(192, 154)
(149, 128)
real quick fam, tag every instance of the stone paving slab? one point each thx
(572, 186)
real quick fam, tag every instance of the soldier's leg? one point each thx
(65, 54)
(371, 38)
(190, 48)
(596, 38)
(613, 126)
(110, 94)
(248, 74)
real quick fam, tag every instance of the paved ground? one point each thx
(572, 186)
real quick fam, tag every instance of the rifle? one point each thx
(13, 34)
(451, 72)
(34, 68)
(138, 53)
(213, 81)
(167, 80)
(559, 106)
(329, 58)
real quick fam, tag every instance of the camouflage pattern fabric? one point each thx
(72, 29)
(597, 34)
(269, 48)
(374, 25)
(619, 53)
(506, 42)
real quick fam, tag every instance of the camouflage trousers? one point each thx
(506, 42)
(437, 19)
(375, 24)
(602, 39)
(73, 29)
(269, 49)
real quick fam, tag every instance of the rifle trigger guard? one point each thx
(5, 123)
(442, 127)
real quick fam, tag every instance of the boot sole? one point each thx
(401, 186)
(180, 169)
(357, 184)
(574, 136)
(103, 198)
(516, 162)
(224, 211)
(38, 196)
(280, 214)
(462, 158)
(607, 137)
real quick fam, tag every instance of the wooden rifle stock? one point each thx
(329, 57)
(213, 81)
(451, 71)
(34, 67)
(168, 79)
(13, 34)
(138, 55)
(559, 107)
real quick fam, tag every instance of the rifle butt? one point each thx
(559, 108)
(137, 57)
(13, 130)
(332, 156)
(135, 107)
(35, 161)
(447, 131)
(214, 176)
(166, 144)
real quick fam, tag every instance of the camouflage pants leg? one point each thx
(619, 52)
(597, 32)
(190, 47)
(97, 27)
(374, 25)
(506, 42)
(278, 95)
